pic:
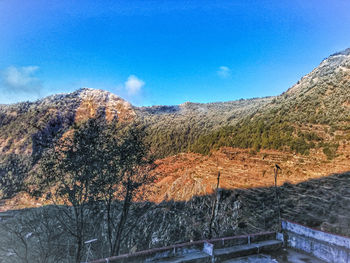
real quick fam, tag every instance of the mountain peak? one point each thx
(92, 100)
(96, 93)
(331, 68)
(345, 52)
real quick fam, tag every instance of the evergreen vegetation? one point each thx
(258, 135)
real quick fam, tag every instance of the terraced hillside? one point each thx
(185, 175)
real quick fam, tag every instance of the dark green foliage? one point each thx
(276, 125)
(330, 150)
(13, 171)
(257, 135)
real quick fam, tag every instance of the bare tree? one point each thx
(67, 176)
(96, 163)
(124, 182)
(32, 235)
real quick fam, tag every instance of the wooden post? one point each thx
(275, 169)
(215, 207)
(263, 206)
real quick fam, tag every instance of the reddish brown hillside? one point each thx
(183, 176)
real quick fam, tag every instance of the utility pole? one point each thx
(275, 169)
(215, 206)
(263, 207)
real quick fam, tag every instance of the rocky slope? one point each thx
(48, 118)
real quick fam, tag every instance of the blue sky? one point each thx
(165, 52)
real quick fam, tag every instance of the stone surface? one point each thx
(325, 246)
(189, 258)
(248, 249)
(280, 256)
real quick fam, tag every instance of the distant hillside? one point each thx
(24, 124)
(171, 128)
(312, 114)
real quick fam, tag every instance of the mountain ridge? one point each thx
(78, 106)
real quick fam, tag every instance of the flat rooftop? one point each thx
(281, 256)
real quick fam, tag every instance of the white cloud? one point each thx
(224, 72)
(133, 85)
(20, 80)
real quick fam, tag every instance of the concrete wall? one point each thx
(156, 253)
(323, 245)
(186, 248)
